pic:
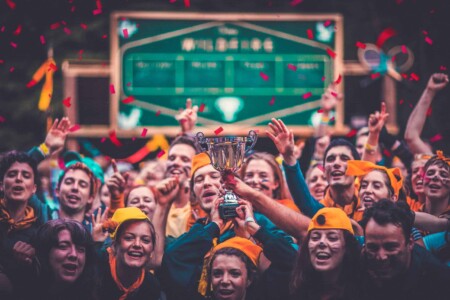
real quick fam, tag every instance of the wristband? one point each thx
(370, 148)
(44, 149)
(249, 219)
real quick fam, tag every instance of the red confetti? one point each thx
(404, 49)
(172, 1)
(14, 45)
(443, 68)
(339, 79)
(18, 30)
(160, 153)
(310, 34)
(113, 138)
(401, 101)
(428, 40)
(327, 23)
(84, 26)
(104, 36)
(320, 167)
(66, 102)
(52, 67)
(375, 75)
(74, 128)
(414, 76)
(384, 36)
(72, 9)
(2, 29)
(80, 54)
(323, 78)
(292, 67)
(128, 99)
(11, 69)
(320, 110)
(393, 58)
(307, 95)
(405, 76)
(102, 140)
(96, 12)
(429, 111)
(2, 119)
(425, 32)
(11, 4)
(2, 61)
(128, 83)
(331, 53)
(360, 45)
(125, 33)
(436, 138)
(272, 101)
(64, 23)
(334, 94)
(31, 83)
(111, 89)
(202, 107)
(387, 153)
(218, 130)
(263, 76)
(158, 113)
(133, 139)
(67, 31)
(296, 2)
(42, 38)
(187, 3)
(55, 25)
(144, 132)
(352, 133)
(332, 119)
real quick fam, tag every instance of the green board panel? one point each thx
(235, 68)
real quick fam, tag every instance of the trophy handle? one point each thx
(251, 139)
(202, 141)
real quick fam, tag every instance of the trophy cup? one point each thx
(227, 155)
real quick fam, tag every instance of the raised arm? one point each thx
(187, 117)
(427, 222)
(376, 124)
(116, 186)
(416, 120)
(327, 103)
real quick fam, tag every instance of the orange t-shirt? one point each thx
(414, 204)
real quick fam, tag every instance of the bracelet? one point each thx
(370, 148)
(44, 149)
(249, 219)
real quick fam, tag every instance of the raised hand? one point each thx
(321, 145)
(23, 252)
(378, 119)
(240, 188)
(187, 117)
(330, 98)
(437, 82)
(116, 183)
(283, 140)
(98, 234)
(56, 136)
(166, 190)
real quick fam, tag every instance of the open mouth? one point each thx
(135, 254)
(323, 256)
(225, 292)
(368, 200)
(434, 186)
(18, 189)
(337, 174)
(73, 198)
(70, 268)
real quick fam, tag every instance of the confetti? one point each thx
(327, 23)
(55, 26)
(331, 53)
(307, 95)
(320, 110)
(263, 76)
(339, 79)
(67, 31)
(404, 49)
(352, 133)
(3, 29)
(202, 107)
(104, 36)
(111, 89)
(96, 12)
(375, 75)
(11, 4)
(128, 83)
(414, 76)
(84, 26)
(14, 45)
(72, 9)
(425, 32)
(387, 153)
(218, 130)
(443, 68)
(295, 2)
(360, 45)
(102, 140)
(323, 78)
(144, 132)
(80, 54)
(158, 113)
(64, 23)
(125, 33)
(292, 67)
(18, 30)
(320, 167)
(42, 38)
(429, 111)
(31, 83)
(187, 3)
(436, 138)
(334, 94)
(52, 67)
(11, 69)
(74, 128)
(272, 101)
(128, 99)
(160, 153)
(401, 101)
(428, 40)
(310, 34)
(384, 36)
(113, 138)
(66, 102)
(133, 139)
(2, 119)
(332, 119)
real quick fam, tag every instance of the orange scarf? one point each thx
(353, 210)
(12, 225)
(133, 287)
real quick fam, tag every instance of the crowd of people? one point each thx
(359, 224)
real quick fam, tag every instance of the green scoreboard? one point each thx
(243, 69)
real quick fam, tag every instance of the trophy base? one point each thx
(227, 210)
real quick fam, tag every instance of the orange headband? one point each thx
(360, 168)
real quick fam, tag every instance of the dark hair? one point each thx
(252, 271)
(387, 212)
(9, 158)
(341, 142)
(186, 140)
(81, 166)
(307, 283)
(126, 223)
(46, 238)
(436, 160)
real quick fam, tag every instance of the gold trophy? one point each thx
(227, 155)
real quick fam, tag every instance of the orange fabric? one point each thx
(196, 213)
(331, 218)
(47, 69)
(198, 161)
(289, 203)
(353, 210)
(414, 205)
(115, 204)
(360, 168)
(113, 268)
(26, 222)
(126, 214)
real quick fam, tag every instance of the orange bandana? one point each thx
(353, 210)
(360, 168)
(133, 287)
(26, 222)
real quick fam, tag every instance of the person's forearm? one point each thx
(159, 222)
(370, 148)
(116, 203)
(416, 122)
(285, 218)
(430, 223)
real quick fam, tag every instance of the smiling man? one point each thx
(395, 267)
